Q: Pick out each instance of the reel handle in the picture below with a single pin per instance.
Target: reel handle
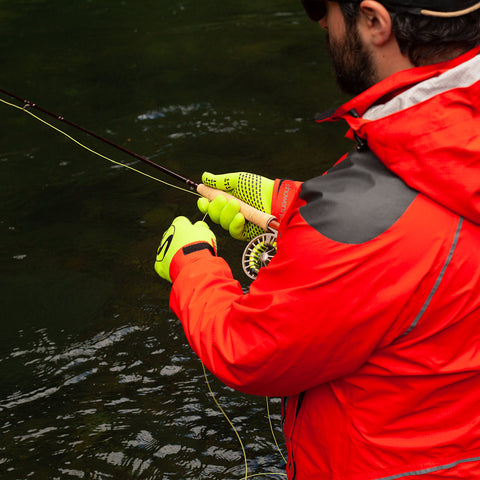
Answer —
(259, 218)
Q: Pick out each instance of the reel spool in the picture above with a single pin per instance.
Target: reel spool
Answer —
(258, 253)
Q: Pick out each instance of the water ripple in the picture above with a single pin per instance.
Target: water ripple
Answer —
(201, 118)
(130, 402)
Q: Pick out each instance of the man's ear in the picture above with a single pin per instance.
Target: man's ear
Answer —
(375, 22)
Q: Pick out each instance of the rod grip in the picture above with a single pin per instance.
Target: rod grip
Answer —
(259, 218)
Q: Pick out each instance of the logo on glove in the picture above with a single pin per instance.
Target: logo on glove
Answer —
(165, 245)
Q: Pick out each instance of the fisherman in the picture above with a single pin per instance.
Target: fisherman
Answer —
(367, 320)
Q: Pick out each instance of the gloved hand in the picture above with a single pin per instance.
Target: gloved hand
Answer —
(253, 189)
(182, 235)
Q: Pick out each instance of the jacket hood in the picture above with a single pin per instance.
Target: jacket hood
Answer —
(424, 125)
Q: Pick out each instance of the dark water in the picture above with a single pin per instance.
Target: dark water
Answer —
(96, 378)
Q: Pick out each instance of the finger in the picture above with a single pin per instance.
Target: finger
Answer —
(181, 221)
(225, 182)
(201, 224)
(208, 235)
(228, 212)
(237, 226)
(215, 208)
(202, 204)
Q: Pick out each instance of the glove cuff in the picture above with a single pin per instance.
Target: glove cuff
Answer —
(189, 254)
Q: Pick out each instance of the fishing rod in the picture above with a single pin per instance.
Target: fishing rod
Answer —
(257, 253)
(27, 103)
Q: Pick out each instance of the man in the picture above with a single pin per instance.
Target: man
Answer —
(367, 320)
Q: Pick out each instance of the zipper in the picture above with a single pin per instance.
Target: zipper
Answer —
(290, 460)
(284, 411)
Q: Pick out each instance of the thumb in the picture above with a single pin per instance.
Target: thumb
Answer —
(225, 182)
(181, 222)
(201, 225)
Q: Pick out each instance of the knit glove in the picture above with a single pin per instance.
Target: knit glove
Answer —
(183, 238)
(253, 189)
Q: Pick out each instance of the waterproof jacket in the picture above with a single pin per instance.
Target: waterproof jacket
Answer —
(367, 320)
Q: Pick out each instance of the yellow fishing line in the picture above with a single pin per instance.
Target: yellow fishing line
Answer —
(23, 109)
(228, 420)
(238, 435)
(267, 474)
(271, 429)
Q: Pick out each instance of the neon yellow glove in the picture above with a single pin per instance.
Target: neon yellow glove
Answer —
(253, 189)
(182, 235)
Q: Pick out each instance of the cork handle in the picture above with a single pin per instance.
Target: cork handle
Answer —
(263, 220)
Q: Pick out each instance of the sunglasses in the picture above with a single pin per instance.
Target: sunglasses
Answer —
(315, 9)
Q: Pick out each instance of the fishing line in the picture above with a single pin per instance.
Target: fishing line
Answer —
(267, 474)
(228, 420)
(91, 150)
(265, 221)
(238, 435)
(192, 186)
(258, 252)
(271, 429)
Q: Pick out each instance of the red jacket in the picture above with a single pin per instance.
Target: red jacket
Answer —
(367, 320)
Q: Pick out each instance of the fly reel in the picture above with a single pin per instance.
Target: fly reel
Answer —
(258, 253)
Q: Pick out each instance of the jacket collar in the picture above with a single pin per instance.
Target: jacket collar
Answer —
(390, 87)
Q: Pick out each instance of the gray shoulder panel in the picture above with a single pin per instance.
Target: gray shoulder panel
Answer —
(356, 200)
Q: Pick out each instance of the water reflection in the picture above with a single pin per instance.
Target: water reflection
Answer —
(205, 120)
(125, 403)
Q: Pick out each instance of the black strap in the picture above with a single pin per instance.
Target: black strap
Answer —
(196, 247)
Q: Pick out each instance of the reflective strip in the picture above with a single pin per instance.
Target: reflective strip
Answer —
(463, 75)
(430, 470)
(439, 279)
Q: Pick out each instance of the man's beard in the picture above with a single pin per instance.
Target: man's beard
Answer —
(352, 63)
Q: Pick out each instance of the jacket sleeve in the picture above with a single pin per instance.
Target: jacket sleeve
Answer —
(314, 314)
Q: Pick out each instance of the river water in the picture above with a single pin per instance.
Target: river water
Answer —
(97, 380)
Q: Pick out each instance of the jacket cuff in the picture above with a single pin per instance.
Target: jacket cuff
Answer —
(284, 193)
(188, 254)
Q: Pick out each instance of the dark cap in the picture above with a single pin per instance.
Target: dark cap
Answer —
(434, 8)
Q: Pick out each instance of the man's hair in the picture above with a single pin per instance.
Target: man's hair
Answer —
(425, 39)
